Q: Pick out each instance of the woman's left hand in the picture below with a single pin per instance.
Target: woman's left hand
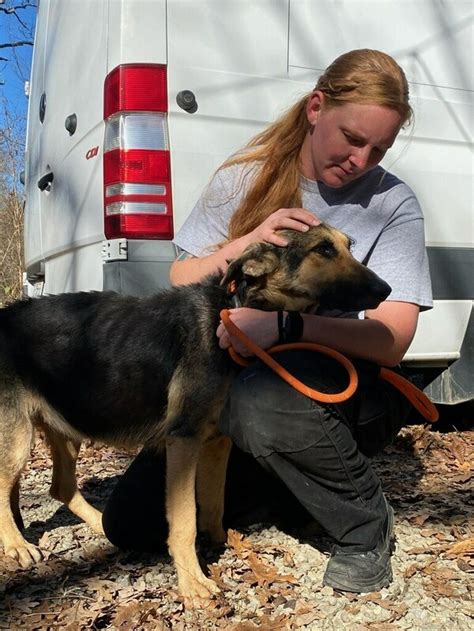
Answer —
(259, 326)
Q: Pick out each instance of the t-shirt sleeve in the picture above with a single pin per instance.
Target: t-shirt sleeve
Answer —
(399, 255)
(208, 222)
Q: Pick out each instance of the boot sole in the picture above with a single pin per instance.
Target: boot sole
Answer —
(375, 583)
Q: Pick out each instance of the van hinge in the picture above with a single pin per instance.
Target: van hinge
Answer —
(114, 250)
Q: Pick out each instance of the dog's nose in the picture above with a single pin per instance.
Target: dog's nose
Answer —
(381, 289)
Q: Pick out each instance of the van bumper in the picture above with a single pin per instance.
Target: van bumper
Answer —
(144, 271)
(451, 381)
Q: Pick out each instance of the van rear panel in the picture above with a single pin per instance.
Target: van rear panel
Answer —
(136, 32)
(244, 63)
(33, 248)
(67, 215)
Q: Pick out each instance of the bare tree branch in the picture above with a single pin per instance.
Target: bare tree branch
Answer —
(14, 8)
(12, 138)
(16, 34)
(15, 44)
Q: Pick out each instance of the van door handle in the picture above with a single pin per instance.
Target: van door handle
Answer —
(45, 181)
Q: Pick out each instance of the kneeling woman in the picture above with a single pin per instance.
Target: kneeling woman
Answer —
(292, 458)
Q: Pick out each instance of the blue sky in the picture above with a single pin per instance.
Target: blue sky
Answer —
(16, 70)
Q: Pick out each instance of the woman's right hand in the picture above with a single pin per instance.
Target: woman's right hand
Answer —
(292, 218)
(195, 269)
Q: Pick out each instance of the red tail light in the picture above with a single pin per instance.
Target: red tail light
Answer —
(136, 88)
(137, 174)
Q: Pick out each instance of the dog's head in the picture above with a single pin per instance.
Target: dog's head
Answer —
(315, 269)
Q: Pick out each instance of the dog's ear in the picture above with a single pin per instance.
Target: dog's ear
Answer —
(259, 259)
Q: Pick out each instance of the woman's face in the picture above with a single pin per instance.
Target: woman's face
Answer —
(346, 141)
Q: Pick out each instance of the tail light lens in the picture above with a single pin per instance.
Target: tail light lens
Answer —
(137, 174)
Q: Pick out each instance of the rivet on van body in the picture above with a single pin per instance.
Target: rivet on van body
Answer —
(71, 123)
(187, 101)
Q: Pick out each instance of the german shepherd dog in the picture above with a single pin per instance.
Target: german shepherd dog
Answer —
(149, 371)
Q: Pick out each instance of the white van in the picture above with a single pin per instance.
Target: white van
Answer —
(135, 103)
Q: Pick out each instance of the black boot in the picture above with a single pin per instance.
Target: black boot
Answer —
(364, 571)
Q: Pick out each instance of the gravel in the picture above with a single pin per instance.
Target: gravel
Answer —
(269, 579)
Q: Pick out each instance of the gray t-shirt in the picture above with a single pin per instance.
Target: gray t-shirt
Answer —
(378, 211)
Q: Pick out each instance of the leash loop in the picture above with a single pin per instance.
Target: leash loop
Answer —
(316, 395)
(417, 398)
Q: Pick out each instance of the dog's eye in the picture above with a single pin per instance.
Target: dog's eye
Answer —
(325, 249)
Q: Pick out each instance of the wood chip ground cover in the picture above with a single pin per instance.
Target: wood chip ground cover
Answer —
(269, 579)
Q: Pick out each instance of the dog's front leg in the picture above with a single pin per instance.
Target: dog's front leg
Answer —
(15, 443)
(182, 455)
(211, 486)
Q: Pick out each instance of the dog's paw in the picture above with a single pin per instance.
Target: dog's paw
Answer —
(197, 594)
(25, 554)
(96, 524)
(87, 513)
(99, 529)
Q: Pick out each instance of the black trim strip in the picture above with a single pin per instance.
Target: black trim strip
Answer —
(452, 273)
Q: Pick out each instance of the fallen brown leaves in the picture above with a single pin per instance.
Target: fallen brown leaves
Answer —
(453, 453)
(264, 573)
(268, 580)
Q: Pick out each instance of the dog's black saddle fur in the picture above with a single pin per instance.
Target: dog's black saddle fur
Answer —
(104, 361)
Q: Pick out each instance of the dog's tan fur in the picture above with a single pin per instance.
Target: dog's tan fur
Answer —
(294, 278)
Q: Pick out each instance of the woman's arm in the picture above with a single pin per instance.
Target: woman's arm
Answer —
(383, 337)
(194, 269)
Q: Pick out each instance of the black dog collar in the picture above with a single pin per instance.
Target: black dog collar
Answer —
(290, 329)
(237, 292)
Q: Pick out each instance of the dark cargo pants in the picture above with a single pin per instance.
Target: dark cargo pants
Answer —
(293, 459)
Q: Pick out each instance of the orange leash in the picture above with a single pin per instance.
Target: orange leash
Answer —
(283, 373)
(417, 398)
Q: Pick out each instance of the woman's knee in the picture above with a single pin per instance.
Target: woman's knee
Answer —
(263, 414)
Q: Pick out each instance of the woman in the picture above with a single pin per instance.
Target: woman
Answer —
(318, 162)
